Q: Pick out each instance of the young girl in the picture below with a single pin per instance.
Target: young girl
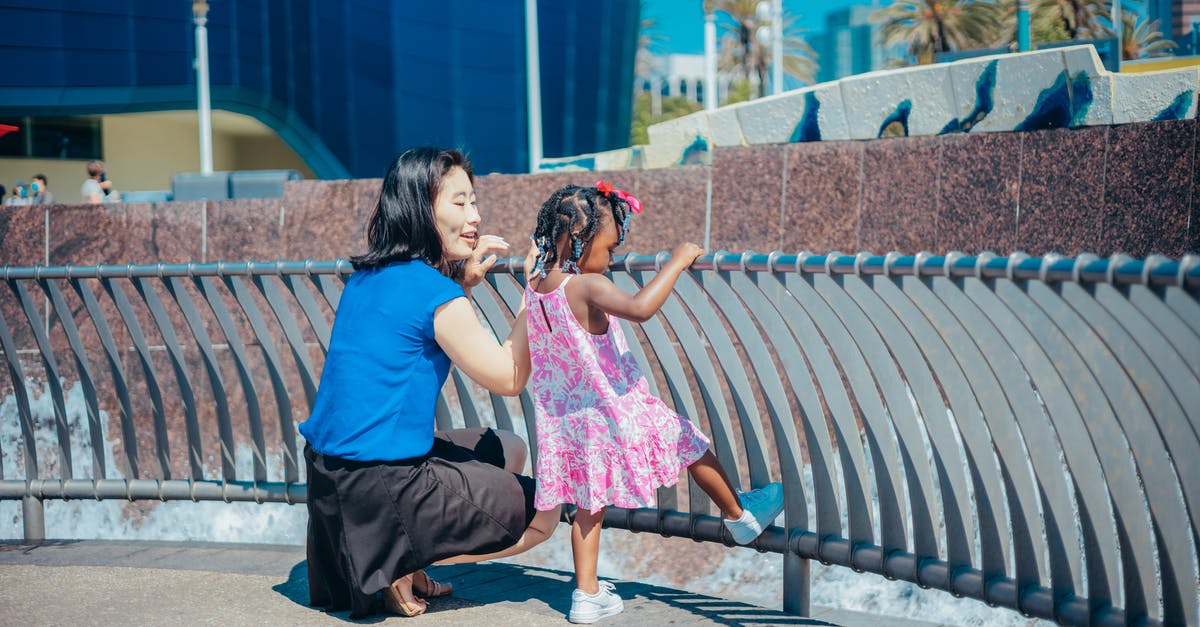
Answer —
(603, 439)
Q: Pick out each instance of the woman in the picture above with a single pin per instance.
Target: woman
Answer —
(387, 495)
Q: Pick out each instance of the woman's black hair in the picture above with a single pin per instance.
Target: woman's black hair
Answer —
(403, 227)
(566, 209)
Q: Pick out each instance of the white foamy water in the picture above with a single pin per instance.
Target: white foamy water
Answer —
(737, 574)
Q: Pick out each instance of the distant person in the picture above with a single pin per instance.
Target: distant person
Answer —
(97, 188)
(602, 438)
(20, 195)
(39, 190)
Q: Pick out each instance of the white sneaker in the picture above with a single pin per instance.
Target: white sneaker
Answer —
(760, 508)
(589, 608)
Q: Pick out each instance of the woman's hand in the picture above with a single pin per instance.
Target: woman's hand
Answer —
(482, 259)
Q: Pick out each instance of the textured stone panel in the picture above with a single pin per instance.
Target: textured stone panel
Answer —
(725, 127)
(682, 141)
(1091, 87)
(1149, 172)
(170, 232)
(323, 220)
(89, 234)
(674, 202)
(249, 228)
(979, 184)
(1011, 92)
(911, 101)
(746, 198)
(1062, 191)
(809, 114)
(1155, 96)
(22, 236)
(899, 198)
(821, 203)
(1193, 244)
(619, 159)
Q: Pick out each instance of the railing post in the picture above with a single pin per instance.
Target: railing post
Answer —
(33, 517)
(795, 584)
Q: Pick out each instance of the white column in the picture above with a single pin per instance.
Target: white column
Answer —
(777, 47)
(203, 104)
(1119, 29)
(710, 63)
(533, 85)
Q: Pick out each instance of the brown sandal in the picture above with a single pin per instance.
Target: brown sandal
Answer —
(428, 588)
(394, 601)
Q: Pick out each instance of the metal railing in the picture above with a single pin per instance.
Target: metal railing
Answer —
(1022, 431)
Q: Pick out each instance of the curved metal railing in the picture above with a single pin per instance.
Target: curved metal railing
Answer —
(1022, 431)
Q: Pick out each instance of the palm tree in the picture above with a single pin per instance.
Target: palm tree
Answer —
(742, 52)
(1045, 25)
(1079, 18)
(1141, 38)
(933, 26)
(649, 43)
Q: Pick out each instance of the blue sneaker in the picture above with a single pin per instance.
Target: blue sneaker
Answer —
(589, 608)
(760, 508)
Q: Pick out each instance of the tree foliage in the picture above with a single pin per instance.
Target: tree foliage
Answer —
(932, 26)
(743, 53)
(643, 115)
(1141, 38)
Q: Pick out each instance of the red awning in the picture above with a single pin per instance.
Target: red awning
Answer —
(5, 129)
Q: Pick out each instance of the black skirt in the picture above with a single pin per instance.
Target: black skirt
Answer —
(370, 523)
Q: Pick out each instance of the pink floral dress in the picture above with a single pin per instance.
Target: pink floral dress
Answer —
(602, 438)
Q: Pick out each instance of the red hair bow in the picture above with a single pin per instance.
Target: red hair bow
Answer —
(604, 187)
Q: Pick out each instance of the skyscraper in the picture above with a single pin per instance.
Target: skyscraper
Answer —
(849, 44)
(1175, 17)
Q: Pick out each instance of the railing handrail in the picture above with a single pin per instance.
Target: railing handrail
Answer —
(1119, 269)
(1070, 387)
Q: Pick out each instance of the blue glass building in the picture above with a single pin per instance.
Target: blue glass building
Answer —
(345, 83)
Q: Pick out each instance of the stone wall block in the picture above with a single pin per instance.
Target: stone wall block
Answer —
(899, 103)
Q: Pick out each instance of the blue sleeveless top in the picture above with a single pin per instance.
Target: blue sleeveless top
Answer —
(384, 369)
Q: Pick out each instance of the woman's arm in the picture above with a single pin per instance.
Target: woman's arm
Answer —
(603, 294)
(500, 368)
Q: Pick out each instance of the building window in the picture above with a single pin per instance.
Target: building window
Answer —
(52, 138)
(683, 90)
(700, 92)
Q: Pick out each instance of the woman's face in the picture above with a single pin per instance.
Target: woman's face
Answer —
(456, 216)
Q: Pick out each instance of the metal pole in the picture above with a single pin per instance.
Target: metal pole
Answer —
(203, 105)
(1119, 31)
(1023, 43)
(796, 593)
(777, 47)
(33, 518)
(710, 63)
(533, 85)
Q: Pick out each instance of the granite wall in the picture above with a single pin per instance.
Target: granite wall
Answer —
(1131, 188)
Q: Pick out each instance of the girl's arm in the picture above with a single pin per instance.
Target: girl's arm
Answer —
(500, 368)
(603, 294)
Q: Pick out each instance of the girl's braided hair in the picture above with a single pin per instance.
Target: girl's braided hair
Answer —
(566, 209)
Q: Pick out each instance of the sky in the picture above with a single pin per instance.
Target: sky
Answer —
(681, 22)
